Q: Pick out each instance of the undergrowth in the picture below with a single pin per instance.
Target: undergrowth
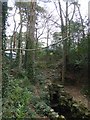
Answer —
(20, 99)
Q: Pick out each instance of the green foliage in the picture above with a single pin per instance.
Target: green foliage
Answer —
(57, 49)
(35, 99)
(21, 99)
(75, 27)
(86, 91)
(5, 75)
(73, 110)
(40, 65)
(40, 9)
(44, 110)
(41, 54)
(17, 100)
(77, 50)
(45, 97)
(25, 7)
(65, 104)
(5, 79)
(56, 36)
(31, 113)
(78, 59)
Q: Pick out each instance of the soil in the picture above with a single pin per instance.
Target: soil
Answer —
(74, 91)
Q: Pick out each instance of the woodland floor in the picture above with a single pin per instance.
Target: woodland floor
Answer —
(74, 91)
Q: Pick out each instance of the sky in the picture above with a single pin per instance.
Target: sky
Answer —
(50, 7)
(83, 6)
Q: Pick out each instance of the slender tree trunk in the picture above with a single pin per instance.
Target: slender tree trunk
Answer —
(81, 21)
(78, 43)
(0, 60)
(69, 39)
(4, 19)
(47, 52)
(88, 51)
(25, 60)
(36, 47)
(69, 32)
(64, 34)
(19, 52)
(89, 63)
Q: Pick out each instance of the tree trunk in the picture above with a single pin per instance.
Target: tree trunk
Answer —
(0, 60)
(19, 52)
(89, 65)
(88, 51)
(64, 34)
(30, 41)
(4, 19)
(62, 31)
(81, 21)
(36, 47)
(47, 49)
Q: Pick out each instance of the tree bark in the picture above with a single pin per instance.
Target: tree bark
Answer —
(81, 21)
(64, 34)
(19, 52)
(0, 60)
(31, 40)
(62, 31)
